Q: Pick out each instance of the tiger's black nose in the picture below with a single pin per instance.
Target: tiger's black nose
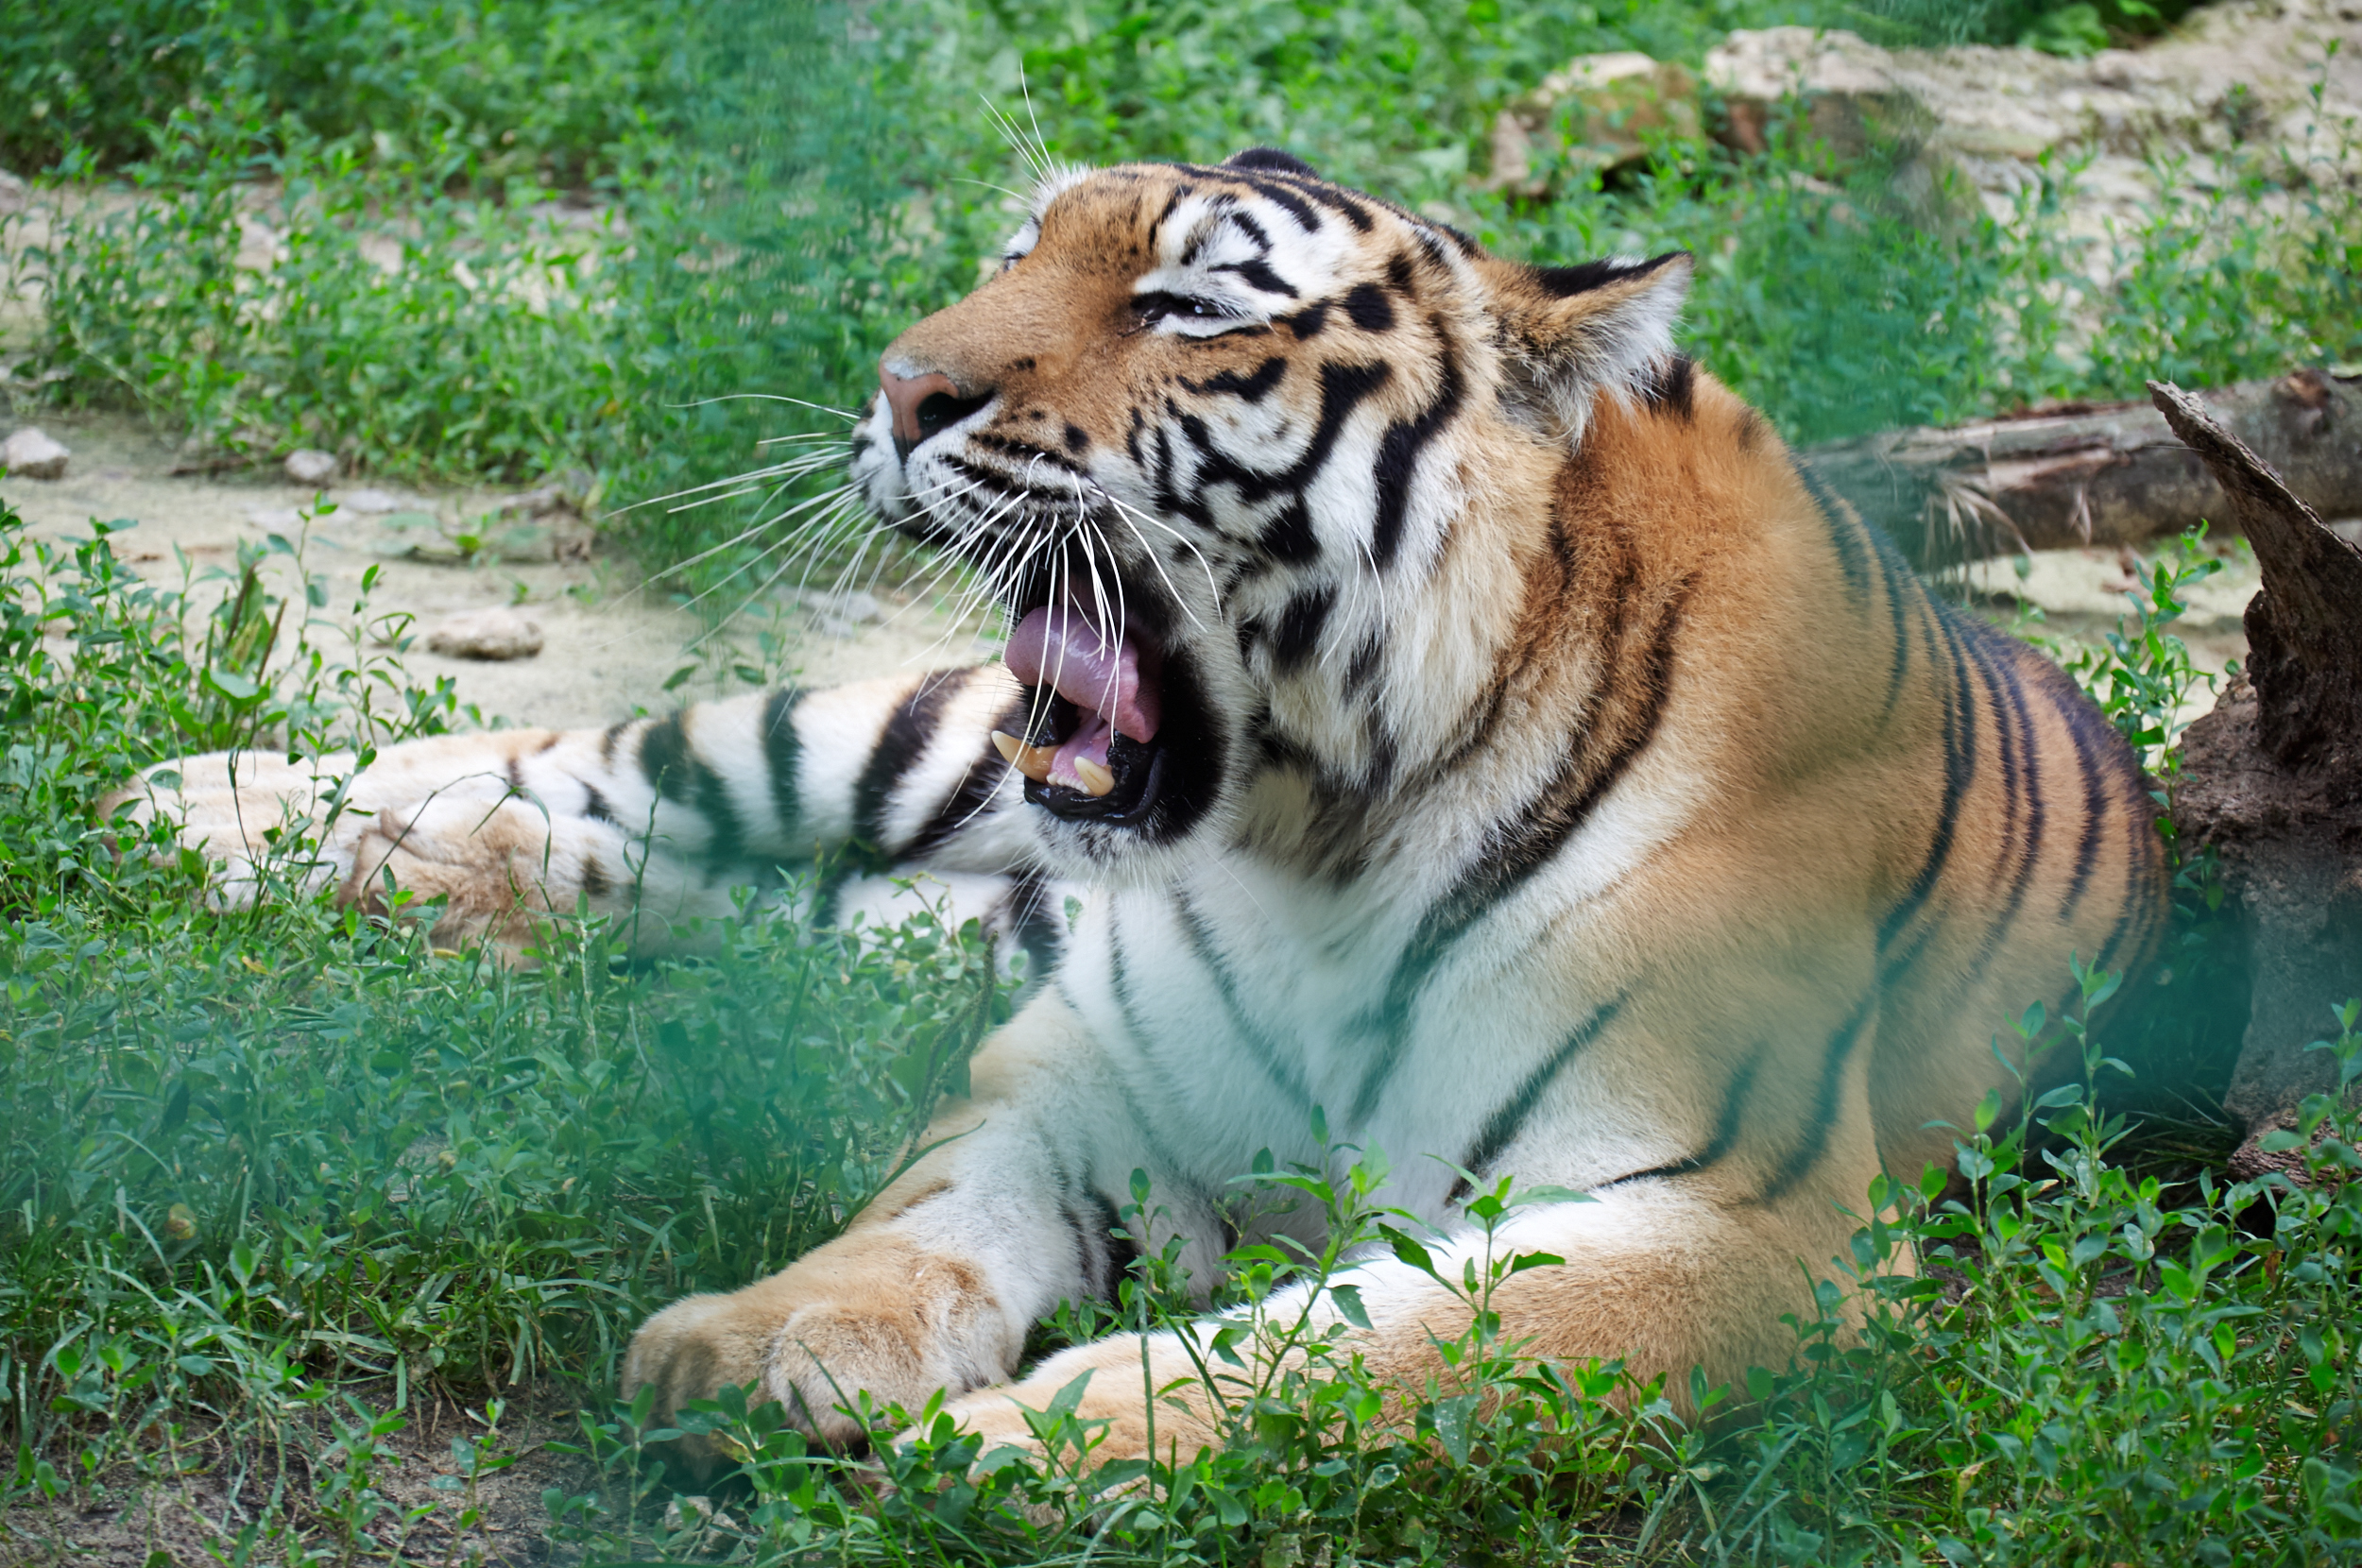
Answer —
(924, 405)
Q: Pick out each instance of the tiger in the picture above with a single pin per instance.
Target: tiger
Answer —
(1433, 708)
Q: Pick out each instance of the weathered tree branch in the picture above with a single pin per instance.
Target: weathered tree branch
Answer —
(2100, 475)
(2272, 782)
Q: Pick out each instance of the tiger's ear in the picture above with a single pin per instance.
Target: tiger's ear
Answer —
(1573, 333)
(1273, 159)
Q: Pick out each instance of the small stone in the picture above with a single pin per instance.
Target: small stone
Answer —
(14, 196)
(311, 466)
(498, 633)
(372, 503)
(850, 608)
(532, 503)
(31, 454)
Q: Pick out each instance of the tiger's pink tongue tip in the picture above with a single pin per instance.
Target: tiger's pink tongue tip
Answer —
(1060, 645)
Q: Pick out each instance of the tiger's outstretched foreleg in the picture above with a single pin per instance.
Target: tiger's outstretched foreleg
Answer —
(936, 1282)
(654, 821)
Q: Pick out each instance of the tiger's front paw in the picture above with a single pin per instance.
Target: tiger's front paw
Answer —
(1115, 1405)
(821, 1335)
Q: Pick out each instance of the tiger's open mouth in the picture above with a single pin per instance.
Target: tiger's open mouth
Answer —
(1098, 740)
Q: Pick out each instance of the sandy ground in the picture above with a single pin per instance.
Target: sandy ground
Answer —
(610, 640)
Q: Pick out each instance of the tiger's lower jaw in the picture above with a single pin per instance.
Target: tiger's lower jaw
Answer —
(1121, 786)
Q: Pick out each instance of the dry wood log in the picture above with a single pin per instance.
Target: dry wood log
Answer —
(2272, 782)
(2087, 474)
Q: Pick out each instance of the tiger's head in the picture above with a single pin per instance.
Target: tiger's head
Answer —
(1257, 465)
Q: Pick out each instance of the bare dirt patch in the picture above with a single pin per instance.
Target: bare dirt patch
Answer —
(611, 640)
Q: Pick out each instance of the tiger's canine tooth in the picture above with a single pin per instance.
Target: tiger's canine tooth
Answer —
(1033, 761)
(1095, 778)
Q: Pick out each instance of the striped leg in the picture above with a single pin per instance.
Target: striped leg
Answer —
(662, 818)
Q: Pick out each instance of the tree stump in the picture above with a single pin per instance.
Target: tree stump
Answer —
(2272, 782)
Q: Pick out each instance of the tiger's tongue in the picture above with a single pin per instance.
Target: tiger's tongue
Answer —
(1059, 643)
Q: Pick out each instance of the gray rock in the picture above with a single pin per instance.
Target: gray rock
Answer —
(371, 502)
(14, 196)
(497, 633)
(31, 454)
(2238, 74)
(311, 466)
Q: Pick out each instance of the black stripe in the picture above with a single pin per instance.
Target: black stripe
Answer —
(1368, 308)
(1815, 1142)
(782, 753)
(678, 773)
(1279, 196)
(1253, 388)
(1502, 1127)
(1267, 1055)
(1670, 390)
(663, 753)
(1288, 534)
(1039, 932)
(1093, 1221)
(899, 749)
(1398, 454)
(1300, 624)
(1520, 849)
(1974, 649)
(2002, 677)
(1565, 282)
(2091, 736)
(1851, 560)
(1894, 574)
(1725, 1132)
(1342, 388)
(972, 794)
(1312, 187)
(1960, 767)
(1180, 194)
(594, 882)
(1260, 276)
(595, 807)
